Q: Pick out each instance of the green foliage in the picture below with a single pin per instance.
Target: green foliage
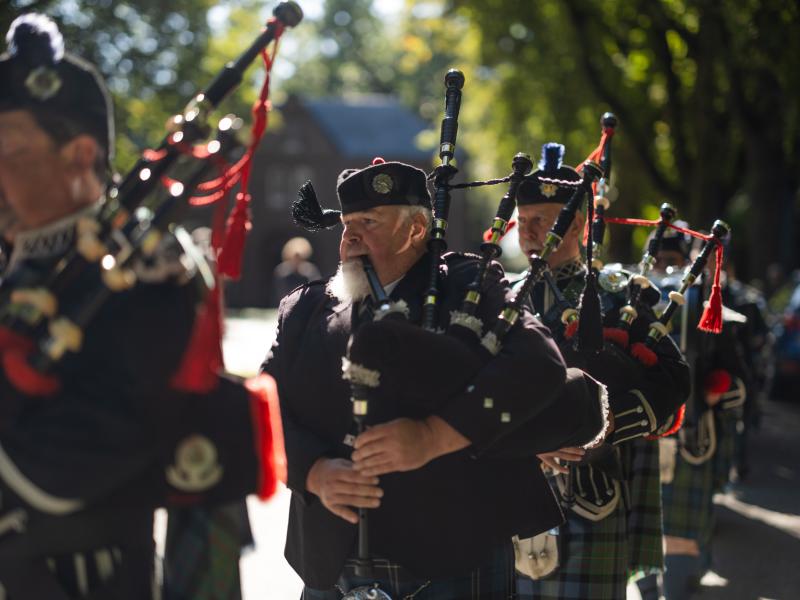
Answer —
(705, 91)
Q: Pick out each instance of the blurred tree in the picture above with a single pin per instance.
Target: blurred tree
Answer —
(345, 51)
(706, 93)
(154, 55)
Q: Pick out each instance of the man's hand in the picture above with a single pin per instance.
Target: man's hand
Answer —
(404, 445)
(340, 487)
(568, 454)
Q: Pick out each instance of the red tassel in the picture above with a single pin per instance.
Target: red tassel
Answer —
(619, 336)
(202, 360)
(229, 261)
(25, 378)
(571, 329)
(643, 354)
(676, 425)
(711, 321)
(12, 339)
(717, 381)
(268, 433)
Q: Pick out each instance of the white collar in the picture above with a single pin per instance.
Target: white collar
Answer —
(48, 241)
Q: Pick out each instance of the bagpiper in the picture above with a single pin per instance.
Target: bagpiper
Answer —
(604, 539)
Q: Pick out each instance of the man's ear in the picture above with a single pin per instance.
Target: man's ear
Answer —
(419, 227)
(80, 153)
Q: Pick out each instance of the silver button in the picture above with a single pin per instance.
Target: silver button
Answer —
(505, 417)
(488, 403)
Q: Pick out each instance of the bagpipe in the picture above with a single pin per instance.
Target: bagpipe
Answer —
(45, 314)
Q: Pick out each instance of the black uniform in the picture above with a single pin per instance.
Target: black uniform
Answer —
(82, 471)
(446, 517)
(82, 468)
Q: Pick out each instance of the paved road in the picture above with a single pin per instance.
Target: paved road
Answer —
(757, 539)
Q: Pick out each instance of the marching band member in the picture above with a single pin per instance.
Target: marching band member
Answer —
(443, 507)
(697, 459)
(596, 489)
(84, 463)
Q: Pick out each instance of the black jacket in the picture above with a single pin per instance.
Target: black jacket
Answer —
(84, 469)
(448, 516)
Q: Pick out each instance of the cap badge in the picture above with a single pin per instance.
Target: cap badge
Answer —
(382, 183)
(548, 189)
(196, 467)
(43, 83)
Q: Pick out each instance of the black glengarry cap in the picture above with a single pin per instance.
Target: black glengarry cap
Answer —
(539, 188)
(38, 75)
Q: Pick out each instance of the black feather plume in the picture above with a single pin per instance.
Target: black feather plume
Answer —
(308, 214)
(35, 40)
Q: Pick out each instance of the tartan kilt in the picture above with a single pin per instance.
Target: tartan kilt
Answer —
(593, 562)
(203, 548)
(687, 501)
(494, 581)
(645, 530)
(726, 447)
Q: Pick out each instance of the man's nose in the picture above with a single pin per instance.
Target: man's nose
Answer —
(530, 231)
(350, 234)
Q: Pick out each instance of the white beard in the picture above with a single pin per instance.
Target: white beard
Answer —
(350, 282)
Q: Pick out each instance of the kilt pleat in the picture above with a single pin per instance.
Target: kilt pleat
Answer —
(645, 528)
(687, 500)
(593, 562)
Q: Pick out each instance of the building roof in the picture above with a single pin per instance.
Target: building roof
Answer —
(370, 126)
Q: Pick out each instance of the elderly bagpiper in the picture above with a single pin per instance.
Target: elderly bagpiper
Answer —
(96, 425)
(596, 487)
(445, 496)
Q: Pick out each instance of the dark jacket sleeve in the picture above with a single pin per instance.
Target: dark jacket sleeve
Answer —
(495, 403)
(643, 399)
(303, 447)
(578, 417)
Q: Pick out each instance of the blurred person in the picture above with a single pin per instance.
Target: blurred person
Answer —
(696, 460)
(295, 270)
(88, 451)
